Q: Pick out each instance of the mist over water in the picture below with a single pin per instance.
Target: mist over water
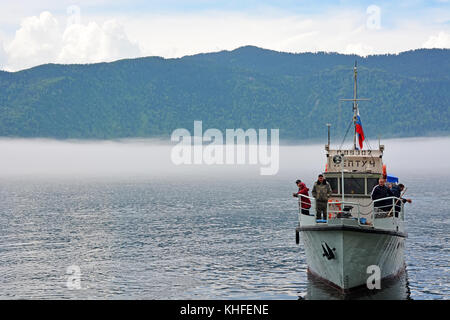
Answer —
(152, 158)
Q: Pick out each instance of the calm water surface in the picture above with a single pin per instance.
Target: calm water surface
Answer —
(189, 238)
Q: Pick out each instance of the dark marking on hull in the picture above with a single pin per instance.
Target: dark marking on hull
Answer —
(327, 251)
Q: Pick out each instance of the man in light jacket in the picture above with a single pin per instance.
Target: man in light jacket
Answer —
(321, 192)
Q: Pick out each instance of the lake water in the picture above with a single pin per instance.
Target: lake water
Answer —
(141, 229)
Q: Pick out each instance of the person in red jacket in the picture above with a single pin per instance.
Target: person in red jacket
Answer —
(305, 203)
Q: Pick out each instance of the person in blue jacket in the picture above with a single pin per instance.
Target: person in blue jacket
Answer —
(397, 191)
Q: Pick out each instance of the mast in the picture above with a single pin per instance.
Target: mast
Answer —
(355, 103)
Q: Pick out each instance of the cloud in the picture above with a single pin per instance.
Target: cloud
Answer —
(359, 49)
(41, 39)
(344, 31)
(44, 38)
(94, 43)
(442, 40)
(36, 42)
(3, 56)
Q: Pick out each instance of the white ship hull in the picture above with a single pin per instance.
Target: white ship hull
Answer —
(396, 289)
(354, 249)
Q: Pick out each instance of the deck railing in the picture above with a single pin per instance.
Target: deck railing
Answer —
(388, 207)
(302, 200)
(343, 209)
(335, 209)
(381, 208)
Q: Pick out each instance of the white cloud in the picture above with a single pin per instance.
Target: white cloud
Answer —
(42, 40)
(48, 38)
(359, 49)
(3, 56)
(94, 43)
(442, 40)
(36, 42)
(345, 31)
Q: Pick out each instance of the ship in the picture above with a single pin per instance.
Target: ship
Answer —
(361, 243)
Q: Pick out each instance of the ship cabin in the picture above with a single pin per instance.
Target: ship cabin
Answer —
(352, 175)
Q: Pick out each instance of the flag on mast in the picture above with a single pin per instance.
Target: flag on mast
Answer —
(359, 130)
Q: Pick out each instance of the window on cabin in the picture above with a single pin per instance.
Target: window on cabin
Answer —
(354, 186)
(334, 184)
(371, 183)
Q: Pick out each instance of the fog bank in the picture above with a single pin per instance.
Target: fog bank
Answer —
(149, 157)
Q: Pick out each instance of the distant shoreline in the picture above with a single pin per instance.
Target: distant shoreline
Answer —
(164, 141)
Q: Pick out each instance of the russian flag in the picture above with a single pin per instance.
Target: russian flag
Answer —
(359, 130)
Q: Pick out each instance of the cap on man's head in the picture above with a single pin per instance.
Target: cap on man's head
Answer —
(320, 175)
(298, 181)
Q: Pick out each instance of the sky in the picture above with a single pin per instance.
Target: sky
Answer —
(90, 31)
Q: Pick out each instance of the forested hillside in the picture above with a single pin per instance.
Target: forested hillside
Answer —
(245, 88)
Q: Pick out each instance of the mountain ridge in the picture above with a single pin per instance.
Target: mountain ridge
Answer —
(248, 87)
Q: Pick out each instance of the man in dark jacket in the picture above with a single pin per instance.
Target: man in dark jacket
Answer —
(380, 191)
(397, 192)
(321, 192)
(304, 203)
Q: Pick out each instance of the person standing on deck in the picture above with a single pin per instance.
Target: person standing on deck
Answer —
(381, 191)
(321, 192)
(397, 191)
(305, 203)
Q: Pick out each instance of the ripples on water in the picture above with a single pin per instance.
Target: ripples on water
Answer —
(187, 239)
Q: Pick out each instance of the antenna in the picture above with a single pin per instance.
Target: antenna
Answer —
(328, 125)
